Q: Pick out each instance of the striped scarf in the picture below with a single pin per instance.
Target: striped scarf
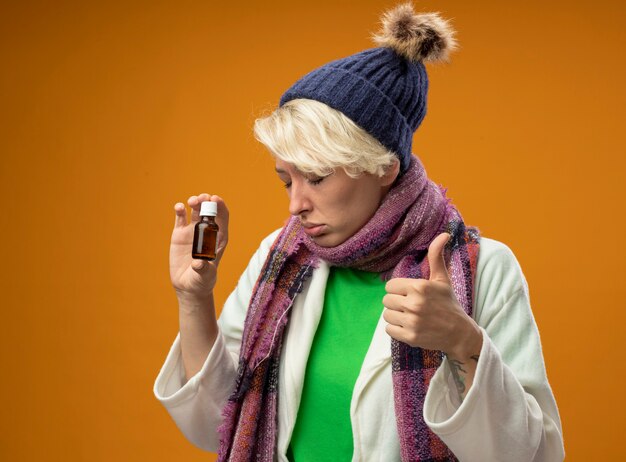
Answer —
(394, 242)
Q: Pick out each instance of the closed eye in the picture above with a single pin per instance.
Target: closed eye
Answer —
(311, 180)
(316, 180)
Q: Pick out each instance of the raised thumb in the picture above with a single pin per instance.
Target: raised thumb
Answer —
(437, 263)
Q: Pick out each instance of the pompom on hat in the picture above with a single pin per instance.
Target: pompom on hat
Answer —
(384, 89)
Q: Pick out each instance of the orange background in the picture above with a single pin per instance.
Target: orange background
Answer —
(113, 112)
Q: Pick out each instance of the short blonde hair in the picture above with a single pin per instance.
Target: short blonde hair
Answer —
(317, 139)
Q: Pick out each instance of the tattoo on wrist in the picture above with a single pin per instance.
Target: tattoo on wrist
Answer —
(455, 367)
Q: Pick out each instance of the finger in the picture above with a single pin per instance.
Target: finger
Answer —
(221, 219)
(393, 317)
(398, 286)
(181, 215)
(394, 302)
(200, 266)
(194, 203)
(223, 215)
(396, 332)
(436, 261)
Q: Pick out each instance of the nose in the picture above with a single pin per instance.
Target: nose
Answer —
(299, 203)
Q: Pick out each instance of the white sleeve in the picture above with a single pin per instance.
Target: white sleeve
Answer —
(196, 406)
(509, 413)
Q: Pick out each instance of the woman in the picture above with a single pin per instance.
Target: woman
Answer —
(375, 325)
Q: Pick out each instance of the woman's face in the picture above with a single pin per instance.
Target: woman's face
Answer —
(334, 207)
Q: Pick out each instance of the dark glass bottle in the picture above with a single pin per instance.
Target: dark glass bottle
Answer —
(205, 233)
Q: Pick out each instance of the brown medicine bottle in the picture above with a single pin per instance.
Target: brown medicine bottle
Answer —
(205, 233)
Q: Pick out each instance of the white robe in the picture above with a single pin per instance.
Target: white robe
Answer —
(508, 415)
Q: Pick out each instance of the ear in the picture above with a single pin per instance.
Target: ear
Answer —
(391, 174)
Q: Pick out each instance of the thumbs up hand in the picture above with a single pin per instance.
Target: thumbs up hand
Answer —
(426, 313)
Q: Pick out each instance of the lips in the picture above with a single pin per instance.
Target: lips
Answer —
(313, 229)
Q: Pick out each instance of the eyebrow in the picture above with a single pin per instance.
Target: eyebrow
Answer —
(278, 170)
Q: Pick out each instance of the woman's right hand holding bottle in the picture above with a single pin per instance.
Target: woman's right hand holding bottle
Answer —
(194, 279)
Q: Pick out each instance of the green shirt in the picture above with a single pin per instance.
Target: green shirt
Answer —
(352, 307)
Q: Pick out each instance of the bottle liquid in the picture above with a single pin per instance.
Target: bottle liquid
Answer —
(205, 233)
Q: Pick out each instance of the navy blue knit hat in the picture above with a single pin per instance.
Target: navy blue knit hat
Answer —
(383, 90)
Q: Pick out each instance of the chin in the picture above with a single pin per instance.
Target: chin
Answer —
(328, 240)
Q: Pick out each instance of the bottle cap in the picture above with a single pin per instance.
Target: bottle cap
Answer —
(208, 209)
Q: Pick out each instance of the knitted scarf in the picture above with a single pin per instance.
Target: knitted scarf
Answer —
(394, 242)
